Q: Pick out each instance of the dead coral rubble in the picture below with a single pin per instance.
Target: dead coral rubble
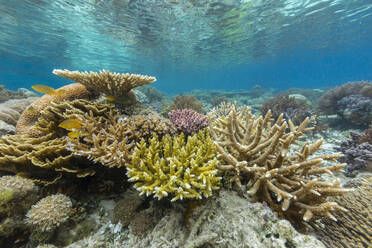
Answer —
(260, 150)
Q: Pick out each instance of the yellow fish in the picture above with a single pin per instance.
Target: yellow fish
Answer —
(73, 134)
(58, 92)
(70, 124)
(110, 98)
(43, 89)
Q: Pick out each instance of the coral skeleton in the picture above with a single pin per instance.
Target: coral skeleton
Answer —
(258, 150)
(173, 166)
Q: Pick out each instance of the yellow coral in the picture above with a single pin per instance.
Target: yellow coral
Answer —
(175, 167)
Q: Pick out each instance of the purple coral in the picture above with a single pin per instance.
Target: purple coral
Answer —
(358, 156)
(187, 120)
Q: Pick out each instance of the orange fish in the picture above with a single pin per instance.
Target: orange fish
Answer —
(70, 124)
(58, 92)
(43, 89)
(73, 134)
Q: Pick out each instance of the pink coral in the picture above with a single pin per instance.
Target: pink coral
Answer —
(187, 120)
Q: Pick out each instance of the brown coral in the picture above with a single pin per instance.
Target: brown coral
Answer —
(110, 83)
(353, 228)
(258, 150)
(103, 140)
(25, 124)
(187, 102)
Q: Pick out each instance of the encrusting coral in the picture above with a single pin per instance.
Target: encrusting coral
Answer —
(110, 83)
(173, 166)
(25, 124)
(49, 212)
(353, 228)
(258, 150)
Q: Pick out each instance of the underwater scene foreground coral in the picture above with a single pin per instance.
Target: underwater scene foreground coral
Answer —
(109, 161)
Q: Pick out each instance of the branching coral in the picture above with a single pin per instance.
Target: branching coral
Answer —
(49, 212)
(351, 101)
(187, 102)
(110, 83)
(188, 120)
(25, 124)
(103, 140)
(292, 108)
(175, 167)
(353, 228)
(258, 150)
(357, 152)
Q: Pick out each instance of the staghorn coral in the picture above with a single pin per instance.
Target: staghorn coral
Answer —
(258, 150)
(110, 83)
(173, 166)
(50, 212)
(292, 108)
(187, 102)
(187, 120)
(102, 140)
(25, 124)
(353, 228)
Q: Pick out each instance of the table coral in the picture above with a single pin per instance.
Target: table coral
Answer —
(353, 228)
(173, 166)
(25, 124)
(258, 150)
(110, 83)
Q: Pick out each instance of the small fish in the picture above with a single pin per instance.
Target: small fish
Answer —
(174, 2)
(43, 89)
(70, 124)
(73, 134)
(110, 98)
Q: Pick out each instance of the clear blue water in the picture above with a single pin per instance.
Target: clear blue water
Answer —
(189, 44)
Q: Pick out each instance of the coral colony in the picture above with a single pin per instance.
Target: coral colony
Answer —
(88, 137)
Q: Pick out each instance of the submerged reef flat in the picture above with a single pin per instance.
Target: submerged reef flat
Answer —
(108, 161)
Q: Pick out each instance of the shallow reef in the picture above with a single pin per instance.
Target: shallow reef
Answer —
(112, 162)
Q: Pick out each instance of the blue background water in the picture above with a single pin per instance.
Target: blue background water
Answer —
(189, 44)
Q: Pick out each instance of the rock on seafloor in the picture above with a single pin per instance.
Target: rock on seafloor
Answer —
(227, 220)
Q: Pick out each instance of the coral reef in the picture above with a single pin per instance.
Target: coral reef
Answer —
(10, 111)
(357, 152)
(292, 108)
(48, 155)
(146, 126)
(49, 213)
(102, 140)
(110, 83)
(25, 124)
(260, 151)
(187, 102)
(175, 167)
(21, 93)
(353, 228)
(125, 209)
(187, 120)
(351, 101)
